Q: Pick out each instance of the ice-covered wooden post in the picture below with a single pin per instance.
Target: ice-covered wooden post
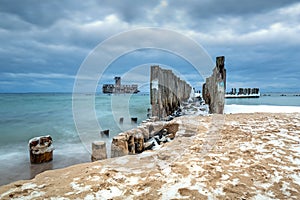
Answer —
(214, 88)
(98, 150)
(119, 145)
(40, 149)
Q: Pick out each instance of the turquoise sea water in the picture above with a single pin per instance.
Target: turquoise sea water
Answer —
(24, 116)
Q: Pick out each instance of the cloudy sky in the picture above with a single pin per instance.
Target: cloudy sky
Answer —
(44, 43)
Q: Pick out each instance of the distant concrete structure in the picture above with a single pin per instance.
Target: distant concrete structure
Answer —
(118, 82)
(214, 88)
(243, 93)
(167, 92)
(118, 88)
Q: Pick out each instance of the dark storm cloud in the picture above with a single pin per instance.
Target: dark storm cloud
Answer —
(33, 11)
(132, 11)
(47, 13)
(217, 8)
(53, 37)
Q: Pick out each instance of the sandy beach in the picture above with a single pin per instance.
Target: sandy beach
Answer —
(232, 156)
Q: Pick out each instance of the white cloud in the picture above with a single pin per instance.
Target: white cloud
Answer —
(292, 11)
(273, 34)
(37, 75)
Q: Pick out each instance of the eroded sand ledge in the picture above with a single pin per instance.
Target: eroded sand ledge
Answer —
(244, 156)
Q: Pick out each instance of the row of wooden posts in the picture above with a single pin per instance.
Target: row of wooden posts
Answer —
(41, 150)
(99, 147)
(133, 120)
(167, 94)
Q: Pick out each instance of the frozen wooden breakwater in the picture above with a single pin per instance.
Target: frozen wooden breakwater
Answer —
(143, 137)
(167, 92)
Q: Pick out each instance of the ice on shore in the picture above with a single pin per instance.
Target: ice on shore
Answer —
(260, 108)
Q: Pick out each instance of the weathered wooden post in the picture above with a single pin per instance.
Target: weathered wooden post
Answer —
(131, 145)
(148, 112)
(139, 142)
(98, 150)
(154, 99)
(213, 91)
(134, 120)
(119, 146)
(40, 149)
(104, 133)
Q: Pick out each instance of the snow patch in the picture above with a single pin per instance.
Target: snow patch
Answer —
(89, 197)
(79, 187)
(109, 194)
(276, 177)
(28, 186)
(296, 178)
(58, 198)
(171, 191)
(133, 180)
(263, 185)
(284, 188)
(218, 191)
(261, 197)
(8, 192)
(277, 143)
(145, 190)
(69, 193)
(121, 161)
(94, 178)
(260, 108)
(225, 177)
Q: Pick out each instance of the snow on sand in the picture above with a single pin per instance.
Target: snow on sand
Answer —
(234, 156)
(260, 108)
